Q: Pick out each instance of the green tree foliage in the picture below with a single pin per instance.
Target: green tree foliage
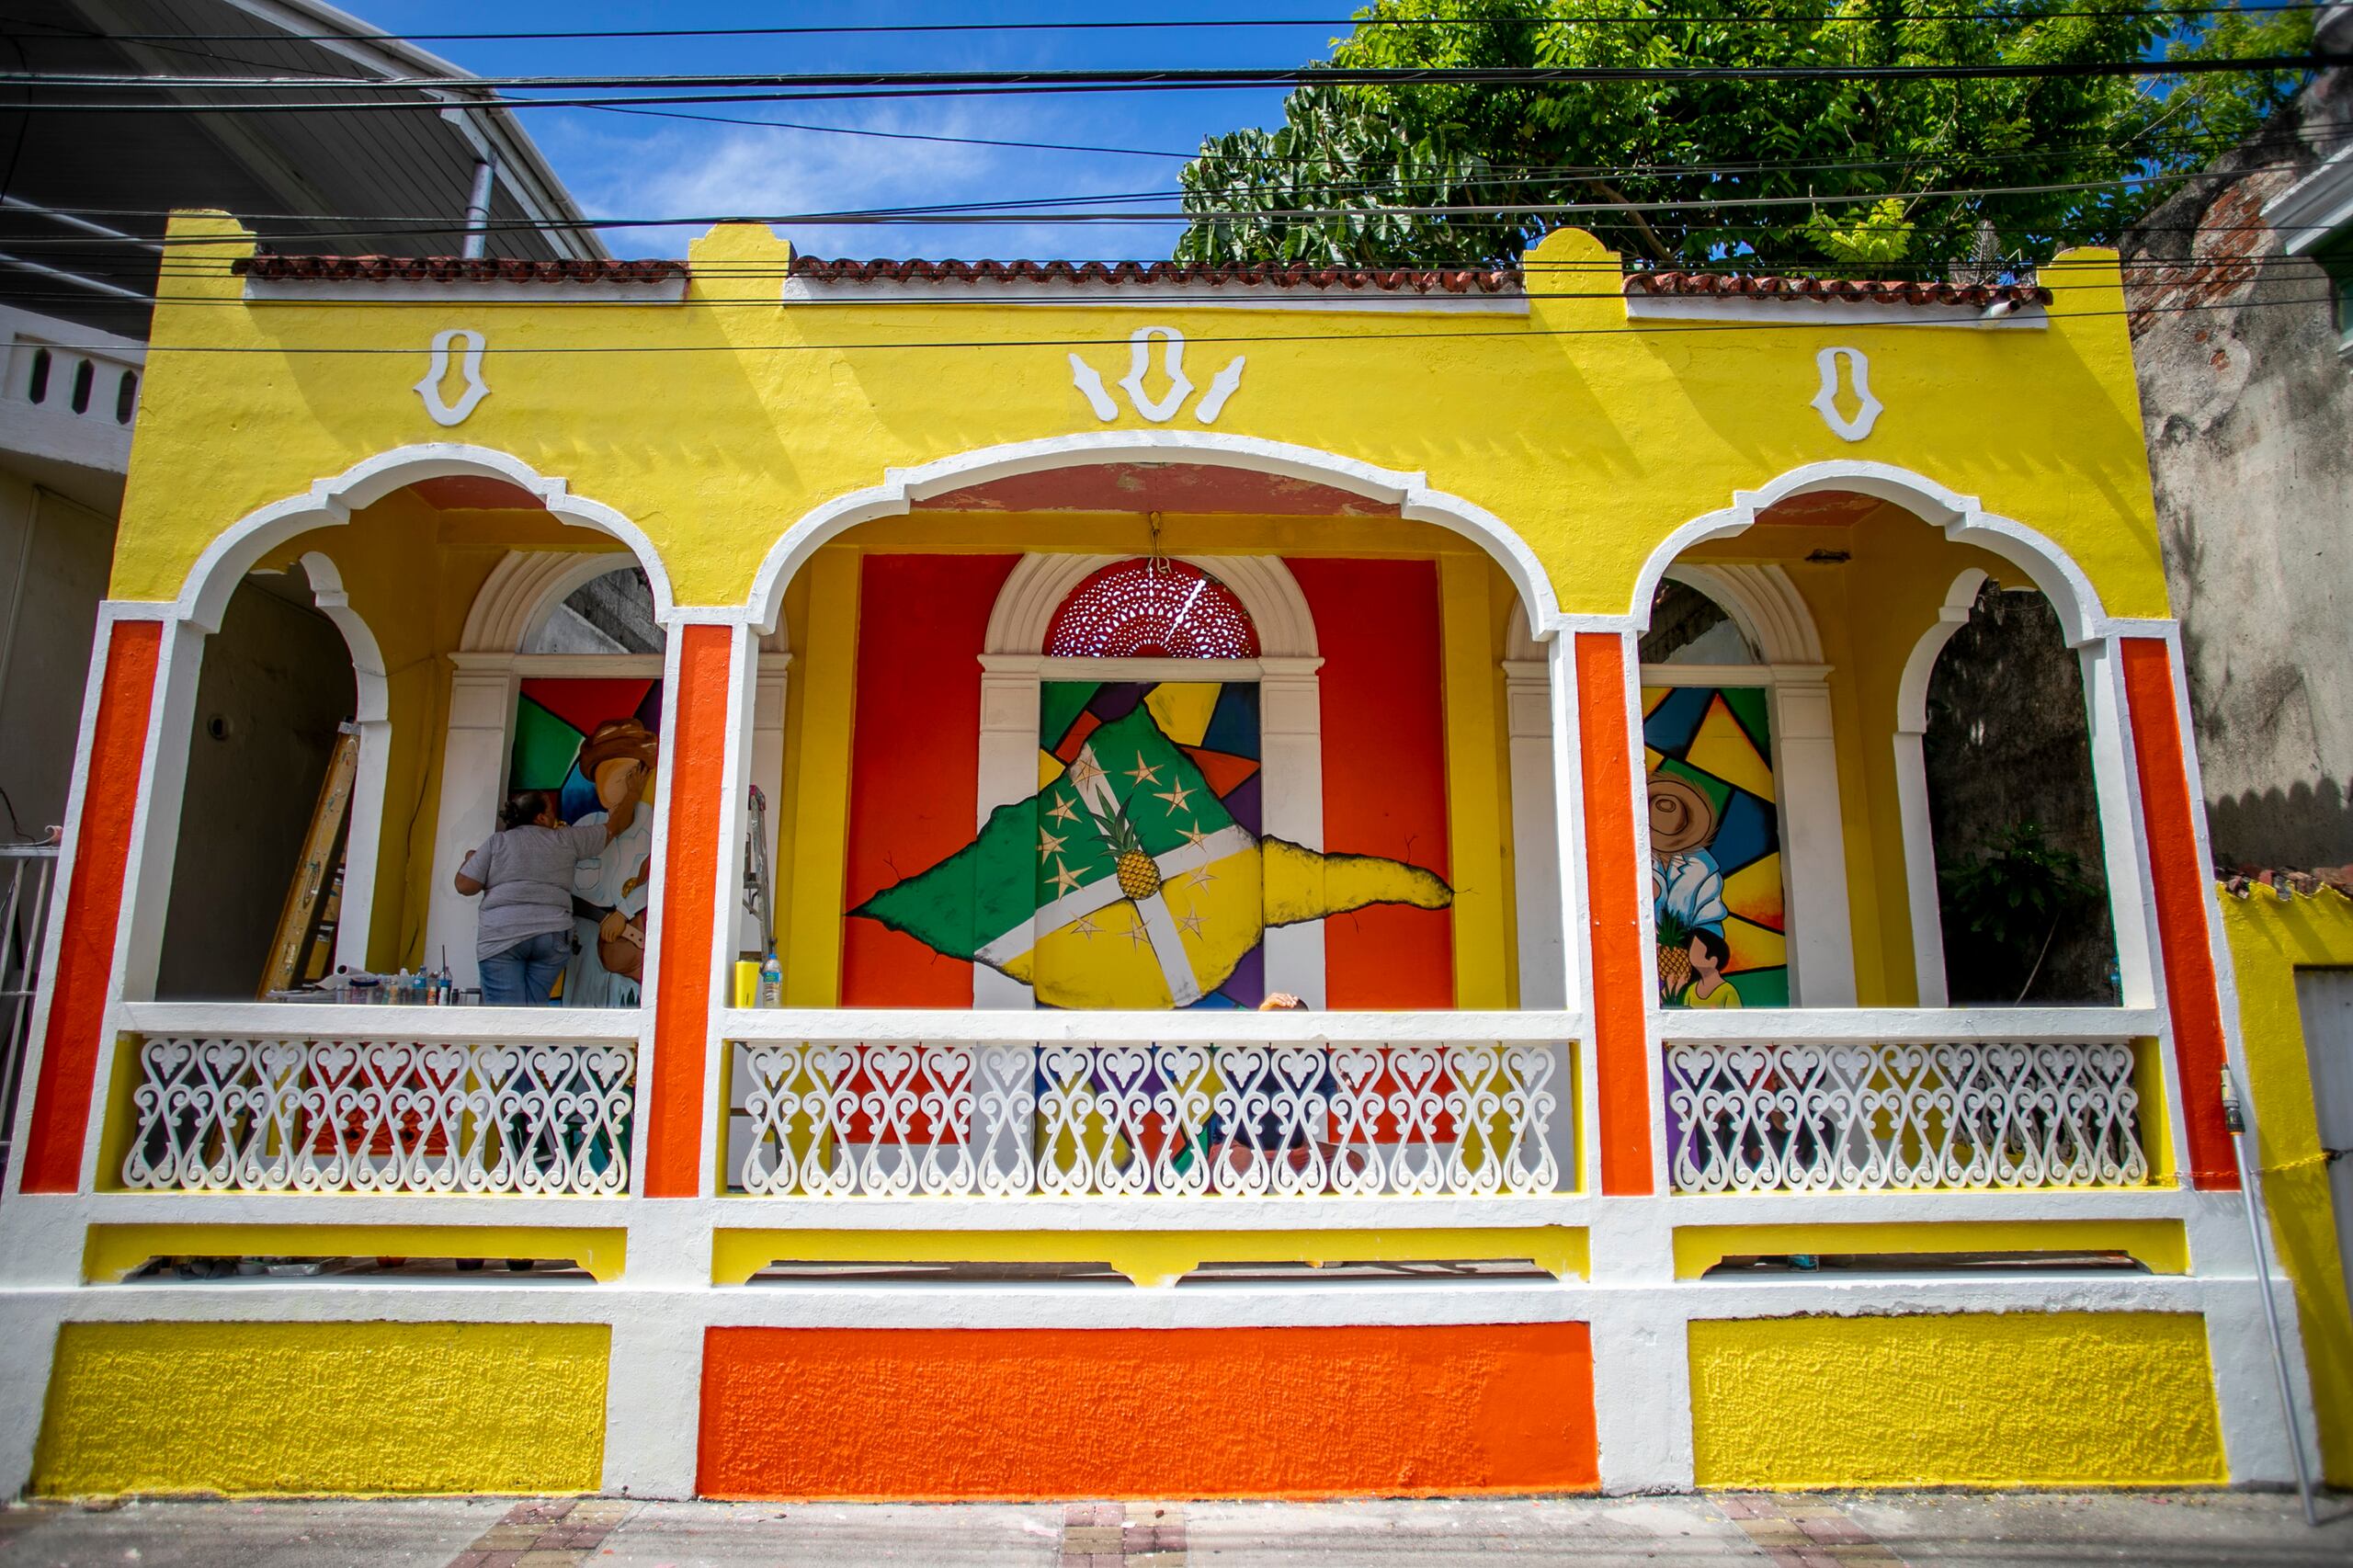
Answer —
(1337, 183)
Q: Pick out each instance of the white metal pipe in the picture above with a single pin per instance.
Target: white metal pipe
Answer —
(2236, 1120)
(478, 204)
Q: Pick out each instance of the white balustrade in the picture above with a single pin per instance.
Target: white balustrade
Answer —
(1748, 1116)
(1137, 1118)
(252, 1113)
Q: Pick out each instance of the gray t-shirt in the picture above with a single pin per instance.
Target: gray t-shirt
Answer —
(526, 873)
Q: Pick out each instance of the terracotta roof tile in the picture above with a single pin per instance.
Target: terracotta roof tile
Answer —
(1388, 280)
(274, 268)
(1880, 291)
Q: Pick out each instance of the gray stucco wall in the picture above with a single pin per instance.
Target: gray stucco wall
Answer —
(2250, 416)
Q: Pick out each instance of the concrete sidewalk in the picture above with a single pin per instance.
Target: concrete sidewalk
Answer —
(1808, 1531)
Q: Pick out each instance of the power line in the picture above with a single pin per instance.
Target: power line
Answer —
(1654, 327)
(835, 86)
(1173, 24)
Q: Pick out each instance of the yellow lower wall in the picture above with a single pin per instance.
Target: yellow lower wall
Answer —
(364, 1408)
(2078, 1399)
(2270, 938)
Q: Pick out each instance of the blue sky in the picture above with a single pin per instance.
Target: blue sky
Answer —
(627, 165)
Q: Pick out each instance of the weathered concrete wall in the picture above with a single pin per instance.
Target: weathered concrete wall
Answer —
(2250, 417)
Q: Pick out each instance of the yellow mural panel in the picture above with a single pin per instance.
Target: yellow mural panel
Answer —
(1979, 1399)
(1183, 709)
(282, 1409)
(1722, 749)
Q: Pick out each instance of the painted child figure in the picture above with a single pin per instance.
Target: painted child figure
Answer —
(1710, 987)
(1686, 887)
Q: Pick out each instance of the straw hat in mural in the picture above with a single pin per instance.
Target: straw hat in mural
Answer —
(616, 739)
(1681, 817)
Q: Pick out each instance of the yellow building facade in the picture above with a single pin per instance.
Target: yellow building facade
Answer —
(1051, 666)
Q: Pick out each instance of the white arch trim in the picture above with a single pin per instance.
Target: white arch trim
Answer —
(1911, 789)
(901, 488)
(1036, 588)
(1764, 604)
(372, 714)
(329, 503)
(1962, 517)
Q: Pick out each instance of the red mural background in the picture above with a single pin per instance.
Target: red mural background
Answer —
(915, 765)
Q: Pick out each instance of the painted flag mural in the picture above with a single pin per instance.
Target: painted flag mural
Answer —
(1715, 847)
(1137, 876)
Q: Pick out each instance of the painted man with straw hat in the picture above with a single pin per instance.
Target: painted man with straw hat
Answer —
(610, 893)
(1687, 888)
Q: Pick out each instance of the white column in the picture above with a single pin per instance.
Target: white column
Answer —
(1821, 943)
(768, 776)
(1290, 767)
(1009, 773)
(1535, 832)
(2116, 782)
(473, 779)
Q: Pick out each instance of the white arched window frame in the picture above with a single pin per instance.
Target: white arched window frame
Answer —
(1290, 720)
(1766, 607)
(371, 720)
(515, 604)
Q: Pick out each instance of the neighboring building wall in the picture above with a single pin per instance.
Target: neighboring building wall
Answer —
(278, 679)
(55, 554)
(2247, 406)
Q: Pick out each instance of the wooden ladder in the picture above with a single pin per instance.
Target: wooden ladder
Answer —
(315, 898)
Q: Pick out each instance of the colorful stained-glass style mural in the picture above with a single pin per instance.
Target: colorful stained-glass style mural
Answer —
(1715, 847)
(1138, 875)
(577, 738)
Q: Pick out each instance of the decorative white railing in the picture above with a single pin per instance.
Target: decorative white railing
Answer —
(361, 1111)
(1781, 1115)
(958, 1113)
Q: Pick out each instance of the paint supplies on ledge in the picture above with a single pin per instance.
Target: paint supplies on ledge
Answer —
(360, 988)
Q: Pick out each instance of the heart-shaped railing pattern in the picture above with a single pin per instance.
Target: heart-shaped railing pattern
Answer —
(380, 1116)
(1883, 1117)
(1124, 1120)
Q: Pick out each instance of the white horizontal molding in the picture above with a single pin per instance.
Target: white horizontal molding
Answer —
(299, 1020)
(1805, 1026)
(941, 1025)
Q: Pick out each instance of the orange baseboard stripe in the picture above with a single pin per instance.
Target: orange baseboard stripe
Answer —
(1005, 1413)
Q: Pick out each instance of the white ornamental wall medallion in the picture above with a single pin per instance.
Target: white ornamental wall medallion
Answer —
(1826, 397)
(438, 372)
(1162, 409)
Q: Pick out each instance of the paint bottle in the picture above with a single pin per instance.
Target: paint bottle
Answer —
(771, 980)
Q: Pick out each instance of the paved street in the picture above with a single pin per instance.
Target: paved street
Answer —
(1816, 1531)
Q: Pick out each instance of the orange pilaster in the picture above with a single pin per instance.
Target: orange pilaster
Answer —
(690, 877)
(77, 1007)
(1615, 886)
(917, 1413)
(2183, 884)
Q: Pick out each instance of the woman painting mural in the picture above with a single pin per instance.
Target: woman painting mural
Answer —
(1687, 888)
(609, 892)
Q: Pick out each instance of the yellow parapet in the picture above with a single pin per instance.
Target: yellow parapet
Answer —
(1979, 1399)
(289, 1409)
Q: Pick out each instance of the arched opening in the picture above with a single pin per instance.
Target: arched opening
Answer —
(1790, 674)
(2014, 811)
(360, 585)
(255, 866)
(1307, 637)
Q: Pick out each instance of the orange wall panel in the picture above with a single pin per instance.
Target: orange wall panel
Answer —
(1384, 771)
(691, 870)
(1615, 887)
(915, 759)
(69, 1054)
(2183, 886)
(1147, 1413)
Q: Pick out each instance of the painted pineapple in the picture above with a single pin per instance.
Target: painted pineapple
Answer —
(1138, 877)
(1674, 957)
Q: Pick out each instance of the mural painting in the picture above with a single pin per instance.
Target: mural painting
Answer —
(1715, 847)
(1137, 876)
(576, 737)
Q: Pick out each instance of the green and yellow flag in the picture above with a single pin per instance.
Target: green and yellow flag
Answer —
(1126, 883)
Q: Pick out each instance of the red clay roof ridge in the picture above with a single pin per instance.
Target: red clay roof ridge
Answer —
(1387, 279)
(273, 267)
(1873, 290)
